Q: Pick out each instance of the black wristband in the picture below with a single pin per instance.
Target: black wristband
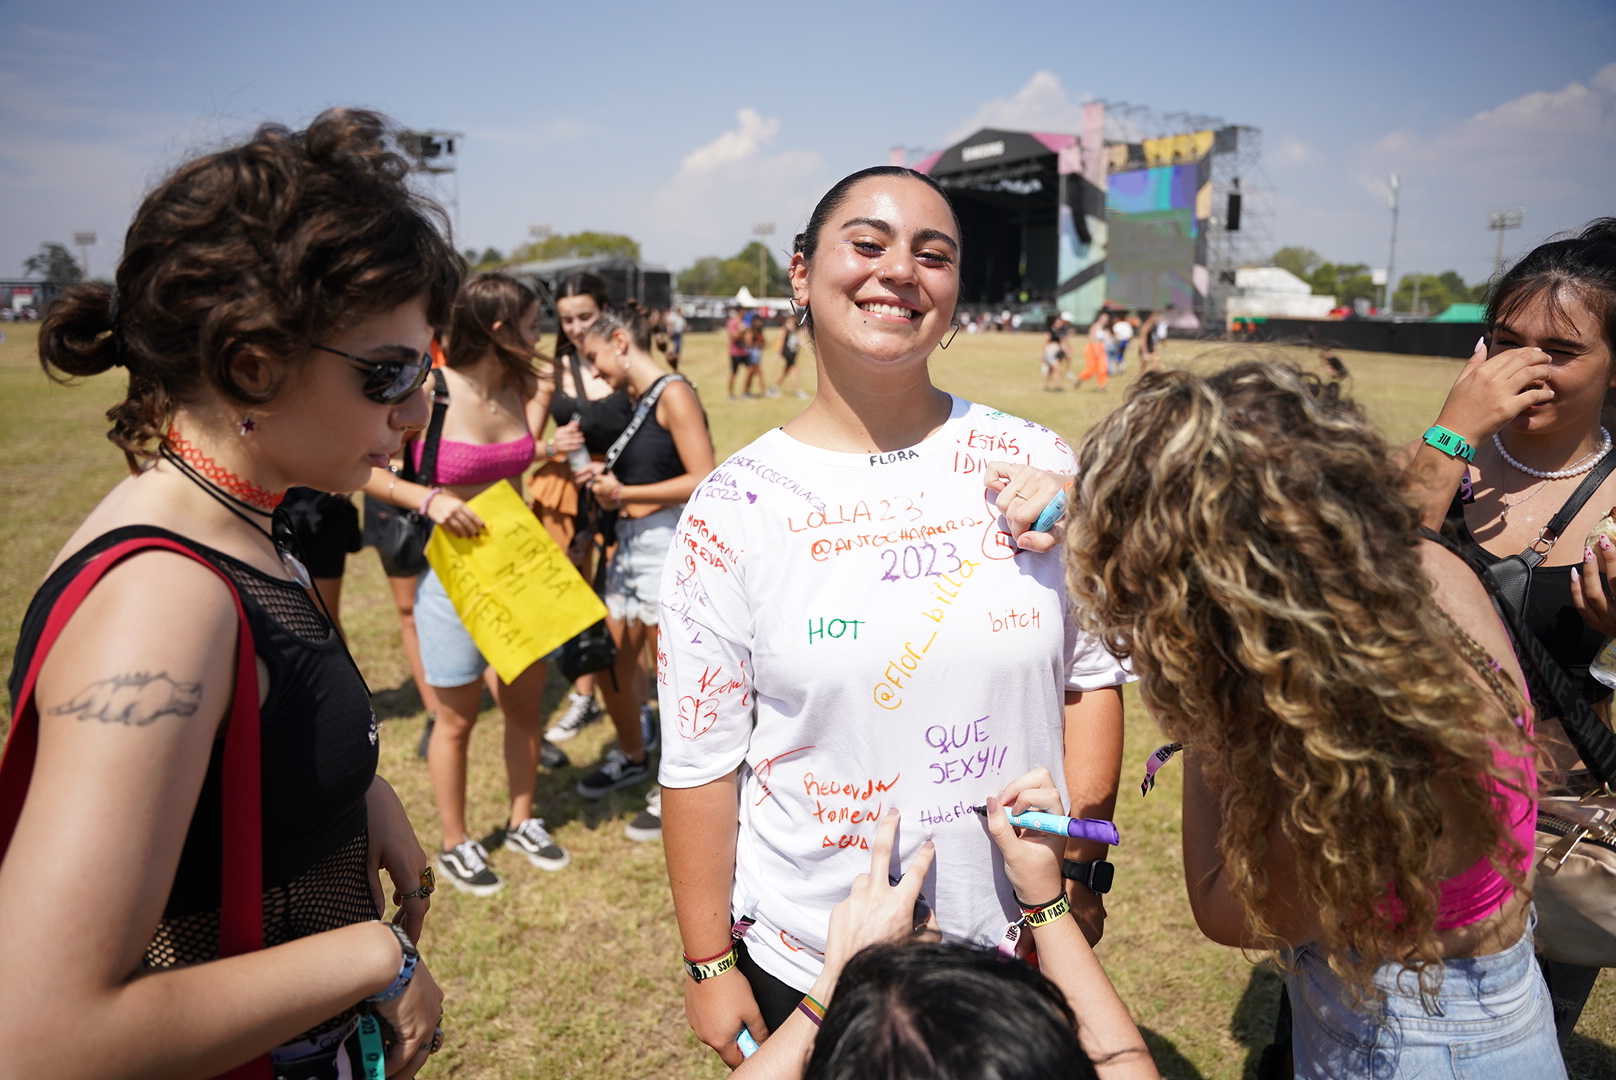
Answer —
(1096, 876)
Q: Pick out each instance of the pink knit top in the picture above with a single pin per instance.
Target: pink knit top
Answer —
(470, 463)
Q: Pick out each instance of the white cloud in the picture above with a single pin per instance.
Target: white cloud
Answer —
(1041, 105)
(1289, 152)
(721, 188)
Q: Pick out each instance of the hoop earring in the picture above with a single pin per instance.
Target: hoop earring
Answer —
(950, 340)
(247, 425)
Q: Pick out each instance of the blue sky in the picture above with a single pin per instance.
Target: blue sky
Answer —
(683, 125)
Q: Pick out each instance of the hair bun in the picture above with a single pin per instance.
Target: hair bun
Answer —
(77, 340)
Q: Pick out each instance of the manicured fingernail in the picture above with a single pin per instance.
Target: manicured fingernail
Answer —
(1587, 554)
(1482, 340)
(1604, 542)
(1575, 577)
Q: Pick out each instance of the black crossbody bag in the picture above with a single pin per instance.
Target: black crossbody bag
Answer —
(401, 535)
(594, 649)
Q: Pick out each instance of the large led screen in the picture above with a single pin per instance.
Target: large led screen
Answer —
(1155, 236)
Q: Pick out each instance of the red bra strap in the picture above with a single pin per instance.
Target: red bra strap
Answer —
(241, 913)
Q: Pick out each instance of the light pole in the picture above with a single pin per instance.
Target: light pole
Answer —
(760, 230)
(1498, 221)
(1391, 258)
(85, 240)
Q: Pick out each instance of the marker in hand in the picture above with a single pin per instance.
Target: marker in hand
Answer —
(1097, 829)
(1052, 513)
(747, 1044)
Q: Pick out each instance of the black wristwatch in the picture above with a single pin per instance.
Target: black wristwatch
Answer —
(1097, 875)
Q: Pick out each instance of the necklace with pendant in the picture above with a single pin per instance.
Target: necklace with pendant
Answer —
(1503, 518)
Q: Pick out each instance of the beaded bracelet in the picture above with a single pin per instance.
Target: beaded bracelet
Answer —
(426, 502)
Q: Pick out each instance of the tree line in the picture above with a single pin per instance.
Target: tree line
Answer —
(1348, 282)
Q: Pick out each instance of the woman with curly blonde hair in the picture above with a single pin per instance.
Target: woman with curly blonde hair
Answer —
(1359, 786)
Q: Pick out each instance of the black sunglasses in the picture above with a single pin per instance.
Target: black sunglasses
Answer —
(388, 382)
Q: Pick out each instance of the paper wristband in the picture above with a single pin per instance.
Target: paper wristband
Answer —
(1162, 756)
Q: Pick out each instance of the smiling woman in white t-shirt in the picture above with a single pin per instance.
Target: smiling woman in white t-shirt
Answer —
(849, 579)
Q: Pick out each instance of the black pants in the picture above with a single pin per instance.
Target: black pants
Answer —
(1569, 987)
(776, 1000)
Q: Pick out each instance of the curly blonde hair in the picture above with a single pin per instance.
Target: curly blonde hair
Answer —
(1242, 539)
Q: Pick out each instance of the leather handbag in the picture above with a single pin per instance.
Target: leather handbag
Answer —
(401, 535)
(241, 925)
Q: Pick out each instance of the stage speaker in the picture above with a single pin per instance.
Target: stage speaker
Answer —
(1231, 220)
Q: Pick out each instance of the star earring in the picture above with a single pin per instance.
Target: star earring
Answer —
(247, 425)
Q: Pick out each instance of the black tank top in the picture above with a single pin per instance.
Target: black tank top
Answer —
(319, 757)
(650, 456)
(600, 421)
(1550, 615)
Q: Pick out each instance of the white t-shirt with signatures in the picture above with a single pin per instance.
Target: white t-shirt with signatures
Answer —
(898, 651)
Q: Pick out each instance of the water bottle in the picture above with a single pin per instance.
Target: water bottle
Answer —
(578, 459)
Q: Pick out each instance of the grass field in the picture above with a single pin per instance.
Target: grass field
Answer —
(576, 974)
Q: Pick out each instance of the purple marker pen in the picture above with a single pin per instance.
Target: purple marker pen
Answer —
(1104, 832)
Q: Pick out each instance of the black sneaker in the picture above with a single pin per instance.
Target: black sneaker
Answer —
(552, 756)
(581, 712)
(466, 866)
(531, 839)
(648, 825)
(617, 771)
(426, 736)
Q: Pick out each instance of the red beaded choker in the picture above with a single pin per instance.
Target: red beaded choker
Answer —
(248, 492)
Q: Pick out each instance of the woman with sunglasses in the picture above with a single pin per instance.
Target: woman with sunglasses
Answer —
(847, 581)
(271, 310)
(485, 441)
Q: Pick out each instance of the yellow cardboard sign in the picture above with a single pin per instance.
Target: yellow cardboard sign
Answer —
(515, 591)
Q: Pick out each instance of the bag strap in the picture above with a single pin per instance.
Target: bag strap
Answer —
(241, 912)
(1593, 741)
(434, 430)
(1585, 491)
(647, 402)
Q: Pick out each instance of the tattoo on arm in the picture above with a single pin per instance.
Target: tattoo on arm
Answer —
(134, 699)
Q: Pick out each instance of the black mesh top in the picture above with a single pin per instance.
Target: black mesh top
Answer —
(319, 757)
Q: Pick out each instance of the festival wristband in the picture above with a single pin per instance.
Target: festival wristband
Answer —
(1162, 756)
(406, 969)
(812, 1009)
(711, 967)
(1052, 513)
(1044, 914)
(1450, 443)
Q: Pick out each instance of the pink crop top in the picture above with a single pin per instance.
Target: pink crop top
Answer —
(469, 463)
(1471, 896)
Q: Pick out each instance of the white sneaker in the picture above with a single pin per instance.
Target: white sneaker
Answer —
(648, 825)
(533, 840)
(581, 712)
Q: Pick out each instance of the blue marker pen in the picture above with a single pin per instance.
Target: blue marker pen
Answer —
(747, 1044)
(1097, 829)
(1052, 513)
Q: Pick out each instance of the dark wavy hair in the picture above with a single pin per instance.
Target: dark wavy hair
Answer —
(945, 1011)
(806, 243)
(1583, 266)
(483, 301)
(629, 318)
(258, 250)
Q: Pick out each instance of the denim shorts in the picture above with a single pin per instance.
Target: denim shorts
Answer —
(1491, 1018)
(448, 655)
(635, 576)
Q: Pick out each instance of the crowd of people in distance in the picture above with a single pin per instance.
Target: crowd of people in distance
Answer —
(849, 733)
